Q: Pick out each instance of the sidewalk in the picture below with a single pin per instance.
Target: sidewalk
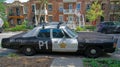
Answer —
(67, 62)
(116, 54)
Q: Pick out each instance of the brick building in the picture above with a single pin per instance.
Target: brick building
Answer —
(15, 13)
(71, 11)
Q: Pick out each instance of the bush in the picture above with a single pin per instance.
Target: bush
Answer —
(22, 27)
(78, 28)
(18, 28)
(91, 28)
(6, 25)
(105, 62)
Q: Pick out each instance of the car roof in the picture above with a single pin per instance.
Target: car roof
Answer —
(52, 25)
(49, 26)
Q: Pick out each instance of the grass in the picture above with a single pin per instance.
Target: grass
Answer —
(104, 62)
(13, 55)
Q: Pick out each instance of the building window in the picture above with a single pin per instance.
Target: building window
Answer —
(19, 22)
(115, 5)
(25, 10)
(11, 12)
(103, 6)
(78, 6)
(70, 18)
(60, 7)
(33, 8)
(60, 17)
(87, 6)
(17, 11)
(50, 18)
(70, 6)
(49, 7)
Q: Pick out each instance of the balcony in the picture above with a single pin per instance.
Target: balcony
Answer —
(69, 1)
(43, 12)
(69, 11)
(115, 8)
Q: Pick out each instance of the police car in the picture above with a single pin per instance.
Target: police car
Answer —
(60, 38)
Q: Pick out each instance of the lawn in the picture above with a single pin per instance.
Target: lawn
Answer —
(104, 62)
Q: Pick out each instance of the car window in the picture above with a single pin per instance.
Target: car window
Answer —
(66, 35)
(44, 33)
(57, 33)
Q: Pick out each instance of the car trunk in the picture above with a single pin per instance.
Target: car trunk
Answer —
(94, 37)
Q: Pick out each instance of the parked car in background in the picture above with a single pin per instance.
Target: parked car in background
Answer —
(109, 27)
(1, 25)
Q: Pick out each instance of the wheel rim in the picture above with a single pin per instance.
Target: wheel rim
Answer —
(93, 51)
(28, 49)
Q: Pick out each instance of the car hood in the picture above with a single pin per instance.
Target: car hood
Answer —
(94, 37)
(18, 35)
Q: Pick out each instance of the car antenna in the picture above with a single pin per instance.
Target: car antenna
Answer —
(59, 24)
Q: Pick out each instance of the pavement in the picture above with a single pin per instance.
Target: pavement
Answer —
(67, 62)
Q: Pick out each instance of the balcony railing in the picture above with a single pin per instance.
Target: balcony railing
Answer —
(43, 12)
(69, 11)
(115, 7)
(69, 0)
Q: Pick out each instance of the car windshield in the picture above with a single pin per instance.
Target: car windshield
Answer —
(71, 32)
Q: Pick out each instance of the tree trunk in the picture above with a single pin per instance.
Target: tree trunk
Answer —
(39, 14)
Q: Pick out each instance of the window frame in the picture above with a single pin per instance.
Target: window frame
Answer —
(63, 32)
(50, 9)
(44, 29)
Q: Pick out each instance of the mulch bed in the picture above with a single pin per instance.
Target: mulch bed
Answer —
(25, 61)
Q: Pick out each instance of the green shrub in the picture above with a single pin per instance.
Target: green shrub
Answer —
(18, 28)
(6, 25)
(13, 55)
(78, 28)
(91, 28)
(25, 25)
(105, 62)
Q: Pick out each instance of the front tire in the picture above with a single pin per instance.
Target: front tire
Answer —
(93, 52)
(28, 50)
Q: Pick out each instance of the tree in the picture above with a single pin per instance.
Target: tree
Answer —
(94, 12)
(2, 9)
(42, 4)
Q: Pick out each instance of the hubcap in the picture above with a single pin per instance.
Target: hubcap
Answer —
(93, 51)
(28, 49)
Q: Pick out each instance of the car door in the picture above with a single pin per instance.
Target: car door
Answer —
(44, 41)
(61, 42)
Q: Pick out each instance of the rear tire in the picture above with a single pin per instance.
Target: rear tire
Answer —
(93, 52)
(28, 50)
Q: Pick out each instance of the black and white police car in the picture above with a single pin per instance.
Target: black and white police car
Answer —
(60, 38)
